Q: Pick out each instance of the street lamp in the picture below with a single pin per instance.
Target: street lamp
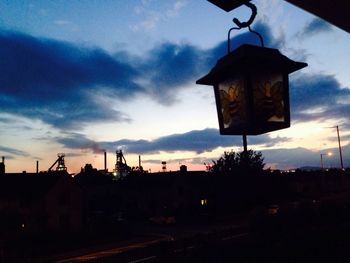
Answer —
(322, 154)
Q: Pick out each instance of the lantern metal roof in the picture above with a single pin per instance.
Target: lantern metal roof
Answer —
(249, 58)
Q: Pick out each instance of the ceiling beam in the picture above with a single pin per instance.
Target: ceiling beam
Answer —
(335, 12)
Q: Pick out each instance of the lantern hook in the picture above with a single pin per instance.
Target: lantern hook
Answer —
(250, 20)
(241, 25)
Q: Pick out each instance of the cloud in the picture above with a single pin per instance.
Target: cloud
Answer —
(315, 26)
(198, 141)
(14, 151)
(342, 137)
(151, 16)
(175, 9)
(147, 24)
(279, 158)
(291, 158)
(170, 66)
(299, 157)
(58, 82)
(79, 141)
(246, 37)
(195, 141)
(67, 85)
(6, 120)
(318, 98)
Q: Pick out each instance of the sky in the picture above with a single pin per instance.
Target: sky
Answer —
(82, 77)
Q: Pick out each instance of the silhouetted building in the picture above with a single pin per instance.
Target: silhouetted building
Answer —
(90, 175)
(183, 168)
(39, 203)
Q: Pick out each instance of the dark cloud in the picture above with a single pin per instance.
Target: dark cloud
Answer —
(13, 151)
(74, 154)
(6, 120)
(315, 26)
(170, 66)
(295, 157)
(62, 83)
(299, 157)
(245, 37)
(57, 82)
(318, 98)
(281, 158)
(79, 141)
(206, 141)
(198, 141)
(46, 69)
(342, 137)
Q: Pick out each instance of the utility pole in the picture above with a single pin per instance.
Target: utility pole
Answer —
(340, 153)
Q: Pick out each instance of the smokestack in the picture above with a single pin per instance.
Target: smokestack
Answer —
(2, 166)
(163, 166)
(139, 161)
(105, 161)
(37, 167)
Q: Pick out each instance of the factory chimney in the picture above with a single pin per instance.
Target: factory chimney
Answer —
(163, 166)
(37, 167)
(105, 158)
(2, 166)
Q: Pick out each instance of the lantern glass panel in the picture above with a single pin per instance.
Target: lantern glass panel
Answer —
(268, 94)
(232, 105)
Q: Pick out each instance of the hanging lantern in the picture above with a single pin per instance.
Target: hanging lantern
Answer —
(251, 90)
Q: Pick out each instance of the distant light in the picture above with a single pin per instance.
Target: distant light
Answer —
(204, 202)
(273, 209)
(22, 225)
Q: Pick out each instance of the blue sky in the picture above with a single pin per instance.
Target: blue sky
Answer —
(81, 77)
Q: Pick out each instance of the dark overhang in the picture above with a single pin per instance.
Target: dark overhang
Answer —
(228, 5)
(335, 12)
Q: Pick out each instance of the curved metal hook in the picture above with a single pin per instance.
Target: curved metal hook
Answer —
(241, 25)
(250, 20)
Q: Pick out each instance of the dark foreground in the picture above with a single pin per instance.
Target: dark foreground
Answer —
(302, 235)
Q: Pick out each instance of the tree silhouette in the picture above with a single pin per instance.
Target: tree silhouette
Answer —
(232, 162)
